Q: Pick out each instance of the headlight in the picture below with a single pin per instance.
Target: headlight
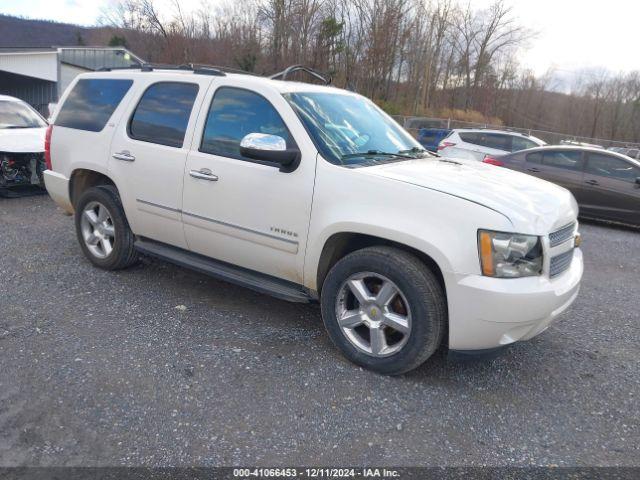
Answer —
(509, 255)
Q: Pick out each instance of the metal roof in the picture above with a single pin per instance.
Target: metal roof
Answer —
(90, 58)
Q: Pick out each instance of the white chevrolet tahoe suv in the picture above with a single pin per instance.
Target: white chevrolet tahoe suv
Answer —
(312, 193)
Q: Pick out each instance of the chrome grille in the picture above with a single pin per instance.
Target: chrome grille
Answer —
(560, 236)
(560, 263)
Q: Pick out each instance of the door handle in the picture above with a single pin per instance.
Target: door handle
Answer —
(203, 174)
(124, 155)
(535, 170)
(592, 182)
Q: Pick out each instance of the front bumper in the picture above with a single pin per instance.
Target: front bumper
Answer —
(58, 188)
(19, 169)
(486, 312)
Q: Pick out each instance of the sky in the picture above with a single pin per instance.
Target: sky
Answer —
(572, 35)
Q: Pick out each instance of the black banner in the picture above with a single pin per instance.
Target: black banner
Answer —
(390, 473)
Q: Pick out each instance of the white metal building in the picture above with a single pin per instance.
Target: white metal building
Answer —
(40, 75)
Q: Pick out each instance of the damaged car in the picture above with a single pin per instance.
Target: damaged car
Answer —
(22, 132)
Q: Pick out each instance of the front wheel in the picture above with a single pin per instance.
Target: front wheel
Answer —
(384, 309)
(102, 229)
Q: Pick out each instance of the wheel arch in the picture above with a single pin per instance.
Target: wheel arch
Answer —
(341, 244)
(82, 178)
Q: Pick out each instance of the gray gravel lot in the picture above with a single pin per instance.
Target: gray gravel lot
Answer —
(100, 368)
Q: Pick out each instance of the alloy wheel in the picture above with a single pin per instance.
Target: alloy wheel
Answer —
(373, 314)
(97, 228)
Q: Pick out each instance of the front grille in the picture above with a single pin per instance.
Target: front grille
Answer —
(560, 236)
(560, 263)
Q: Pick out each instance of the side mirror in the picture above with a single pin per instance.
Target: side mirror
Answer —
(270, 148)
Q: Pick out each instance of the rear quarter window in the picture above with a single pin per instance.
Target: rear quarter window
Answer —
(91, 103)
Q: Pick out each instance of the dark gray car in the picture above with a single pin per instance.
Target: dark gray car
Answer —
(606, 184)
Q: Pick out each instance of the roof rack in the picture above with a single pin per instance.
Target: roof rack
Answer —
(301, 68)
(150, 67)
(220, 71)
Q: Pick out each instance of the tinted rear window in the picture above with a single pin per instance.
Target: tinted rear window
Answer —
(535, 157)
(470, 137)
(490, 140)
(566, 159)
(498, 141)
(162, 115)
(91, 103)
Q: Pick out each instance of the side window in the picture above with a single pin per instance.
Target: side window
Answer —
(91, 103)
(535, 157)
(609, 166)
(470, 137)
(234, 113)
(490, 140)
(162, 115)
(498, 141)
(565, 159)
(520, 143)
(428, 136)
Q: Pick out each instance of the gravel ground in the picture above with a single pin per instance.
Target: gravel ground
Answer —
(101, 368)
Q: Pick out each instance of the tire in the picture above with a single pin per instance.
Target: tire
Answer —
(108, 224)
(418, 310)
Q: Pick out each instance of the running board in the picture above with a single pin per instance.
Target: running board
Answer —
(224, 271)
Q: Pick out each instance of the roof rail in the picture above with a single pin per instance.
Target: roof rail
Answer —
(233, 70)
(219, 71)
(150, 67)
(301, 68)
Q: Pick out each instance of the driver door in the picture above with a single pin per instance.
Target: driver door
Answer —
(244, 211)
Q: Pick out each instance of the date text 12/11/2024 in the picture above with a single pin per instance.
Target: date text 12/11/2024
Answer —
(315, 473)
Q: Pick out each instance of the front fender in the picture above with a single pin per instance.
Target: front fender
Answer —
(443, 227)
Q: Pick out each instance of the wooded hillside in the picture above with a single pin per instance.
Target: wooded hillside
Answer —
(413, 57)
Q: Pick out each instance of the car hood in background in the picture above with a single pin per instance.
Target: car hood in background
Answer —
(22, 140)
(532, 205)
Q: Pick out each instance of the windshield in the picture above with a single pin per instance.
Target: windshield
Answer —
(350, 130)
(18, 115)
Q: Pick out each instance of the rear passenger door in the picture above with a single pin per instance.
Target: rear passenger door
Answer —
(562, 167)
(149, 151)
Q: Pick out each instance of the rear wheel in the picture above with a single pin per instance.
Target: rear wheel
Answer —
(384, 309)
(103, 230)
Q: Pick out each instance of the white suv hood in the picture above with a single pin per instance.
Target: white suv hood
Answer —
(22, 140)
(532, 205)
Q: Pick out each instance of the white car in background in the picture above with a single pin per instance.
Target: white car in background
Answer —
(476, 144)
(22, 131)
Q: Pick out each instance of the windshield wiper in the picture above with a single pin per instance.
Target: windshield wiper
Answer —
(376, 153)
(418, 150)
